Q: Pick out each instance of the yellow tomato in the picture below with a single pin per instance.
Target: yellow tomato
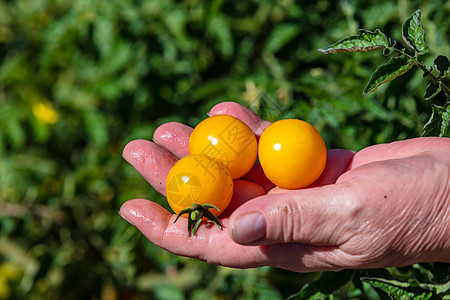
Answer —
(199, 179)
(292, 153)
(227, 139)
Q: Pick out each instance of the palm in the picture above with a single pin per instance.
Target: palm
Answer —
(153, 160)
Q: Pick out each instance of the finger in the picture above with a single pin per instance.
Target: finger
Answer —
(174, 137)
(315, 216)
(214, 246)
(256, 124)
(151, 161)
(306, 258)
(338, 161)
(397, 149)
(209, 244)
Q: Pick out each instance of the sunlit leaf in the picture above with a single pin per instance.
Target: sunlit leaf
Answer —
(326, 284)
(364, 41)
(400, 290)
(413, 33)
(432, 90)
(395, 67)
(439, 121)
(445, 121)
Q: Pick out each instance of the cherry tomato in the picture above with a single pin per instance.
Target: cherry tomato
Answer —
(227, 139)
(292, 153)
(199, 179)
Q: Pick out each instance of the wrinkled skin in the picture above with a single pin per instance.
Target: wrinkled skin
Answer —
(387, 205)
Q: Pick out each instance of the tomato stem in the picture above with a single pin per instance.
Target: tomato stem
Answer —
(196, 213)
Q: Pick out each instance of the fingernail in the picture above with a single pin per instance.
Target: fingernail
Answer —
(249, 228)
(123, 215)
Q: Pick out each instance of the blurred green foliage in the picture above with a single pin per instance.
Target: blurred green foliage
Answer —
(79, 79)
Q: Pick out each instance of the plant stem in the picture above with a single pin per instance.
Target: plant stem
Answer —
(444, 88)
(434, 78)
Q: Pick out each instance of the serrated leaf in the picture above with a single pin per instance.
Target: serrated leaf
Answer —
(413, 33)
(444, 288)
(442, 64)
(432, 90)
(395, 67)
(364, 41)
(439, 121)
(400, 290)
(445, 121)
(325, 285)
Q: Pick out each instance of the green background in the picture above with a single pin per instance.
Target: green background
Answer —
(80, 78)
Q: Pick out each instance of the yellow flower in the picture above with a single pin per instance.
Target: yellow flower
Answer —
(45, 113)
(252, 94)
(8, 272)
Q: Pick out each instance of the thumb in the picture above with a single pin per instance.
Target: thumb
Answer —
(326, 215)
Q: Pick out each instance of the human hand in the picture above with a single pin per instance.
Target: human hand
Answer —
(387, 205)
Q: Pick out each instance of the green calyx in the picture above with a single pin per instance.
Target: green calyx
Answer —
(196, 213)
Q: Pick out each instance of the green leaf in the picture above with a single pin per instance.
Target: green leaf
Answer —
(280, 36)
(413, 33)
(364, 41)
(219, 28)
(444, 288)
(441, 272)
(401, 290)
(96, 127)
(439, 121)
(325, 285)
(389, 51)
(395, 67)
(442, 64)
(432, 90)
(167, 291)
(445, 121)
(104, 35)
